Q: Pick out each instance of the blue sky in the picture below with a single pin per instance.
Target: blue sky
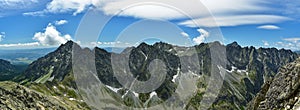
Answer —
(49, 23)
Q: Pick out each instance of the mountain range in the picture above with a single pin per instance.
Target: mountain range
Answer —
(247, 73)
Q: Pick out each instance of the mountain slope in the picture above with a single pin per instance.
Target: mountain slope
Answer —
(54, 65)
(283, 92)
(7, 70)
(246, 71)
(52, 75)
(14, 96)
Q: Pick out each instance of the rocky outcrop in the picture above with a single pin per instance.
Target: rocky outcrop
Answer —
(17, 97)
(283, 92)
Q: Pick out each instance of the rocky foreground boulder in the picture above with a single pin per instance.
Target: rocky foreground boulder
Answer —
(283, 92)
(17, 97)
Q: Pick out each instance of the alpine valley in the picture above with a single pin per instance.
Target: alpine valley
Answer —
(253, 78)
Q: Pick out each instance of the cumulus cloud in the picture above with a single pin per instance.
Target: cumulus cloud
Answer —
(61, 22)
(200, 39)
(2, 36)
(51, 36)
(75, 6)
(268, 27)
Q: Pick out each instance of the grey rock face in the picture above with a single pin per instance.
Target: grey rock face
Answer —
(17, 97)
(282, 92)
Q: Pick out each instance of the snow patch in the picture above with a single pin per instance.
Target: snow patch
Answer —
(233, 68)
(125, 94)
(221, 69)
(51, 79)
(175, 76)
(146, 57)
(55, 59)
(194, 74)
(153, 94)
(113, 89)
(136, 94)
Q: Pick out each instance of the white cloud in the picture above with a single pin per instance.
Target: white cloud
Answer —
(75, 6)
(151, 7)
(295, 40)
(65, 6)
(184, 34)
(269, 27)
(16, 4)
(2, 36)
(289, 7)
(226, 12)
(61, 22)
(51, 36)
(11, 7)
(200, 39)
(234, 20)
(170, 9)
(289, 43)
(266, 43)
(109, 44)
(37, 13)
(20, 45)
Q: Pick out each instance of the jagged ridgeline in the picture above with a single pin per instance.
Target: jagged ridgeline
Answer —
(246, 71)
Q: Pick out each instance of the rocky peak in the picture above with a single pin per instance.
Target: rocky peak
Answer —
(234, 44)
(54, 66)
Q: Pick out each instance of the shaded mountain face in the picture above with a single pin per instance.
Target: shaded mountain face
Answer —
(246, 71)
(281, 92)
(55, 65)
(7, 70)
